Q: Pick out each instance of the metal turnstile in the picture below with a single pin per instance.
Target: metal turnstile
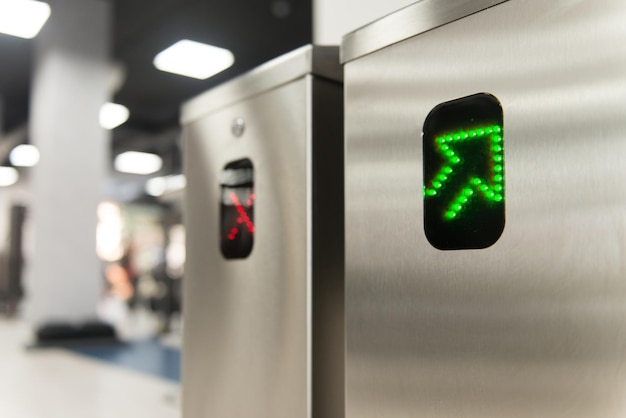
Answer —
(263, 297)
(486, 211)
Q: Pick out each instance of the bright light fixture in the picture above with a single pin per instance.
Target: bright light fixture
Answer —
(194, 59)
(138, 162)
(24, 155)
(23, 18)
(8, 176)
(112, 115)
(156, 186)
(159, 185)
(109, 245)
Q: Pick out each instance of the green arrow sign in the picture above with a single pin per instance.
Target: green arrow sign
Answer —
(463, 167)
(490, 187)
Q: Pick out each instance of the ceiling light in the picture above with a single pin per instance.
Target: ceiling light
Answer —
(138, 162)
(8, 176)
(194, 59)
(159, 185)
(113, 115)
(24, 156)
(23, 18)
(156, 186)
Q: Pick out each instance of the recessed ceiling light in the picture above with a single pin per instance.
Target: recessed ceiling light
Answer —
(157, 186)
(8, 176)
(113, 115)
(23, 18)
(194, 59)
(24, 156)
(138, 162)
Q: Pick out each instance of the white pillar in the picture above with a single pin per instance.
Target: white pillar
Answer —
(64, 278)
(332, 19)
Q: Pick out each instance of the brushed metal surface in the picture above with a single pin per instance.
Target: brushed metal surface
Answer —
(309, 59)
(409, 21)
(263, 335)
(533, 326)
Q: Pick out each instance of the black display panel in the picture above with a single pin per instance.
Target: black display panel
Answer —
(463, 151)
(237, 209)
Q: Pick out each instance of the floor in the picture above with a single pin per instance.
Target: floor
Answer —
(148, 356)
(60, 383)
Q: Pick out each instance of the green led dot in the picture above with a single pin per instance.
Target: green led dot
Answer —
(437, 184)
(442, 177)
(497, 148)
(450, 154)
(497, 129)
(498, 178)
(450, 215)
(491, 195)
(447, 170)
(457, 208)
(498, 198)
(457, 137)
(465, 135)
(464, 199)
(472, 133)
(498, 168)
(440, 140)
(498, 188)
(455, 160)
(497, 139)
(449, 138)
(476, 181)
(481, 132)
(489, 130)
(468, 192)
(445, 147)
(498, 158)
(484, 188)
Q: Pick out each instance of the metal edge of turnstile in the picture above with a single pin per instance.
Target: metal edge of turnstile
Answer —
(328, 246)
(322, 61)
(412, 20)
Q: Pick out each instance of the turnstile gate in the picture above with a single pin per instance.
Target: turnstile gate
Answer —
(486, 211)
(263, 299)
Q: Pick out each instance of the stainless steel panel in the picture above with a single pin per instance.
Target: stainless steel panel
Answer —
(309, 59)
(419, 17)
(534, 325)
(263, 335)
(246, 331)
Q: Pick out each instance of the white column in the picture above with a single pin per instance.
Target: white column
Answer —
(332, 19)
(70, 82)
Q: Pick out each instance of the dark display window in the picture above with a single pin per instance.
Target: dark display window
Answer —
(463, 149)
(237, 209)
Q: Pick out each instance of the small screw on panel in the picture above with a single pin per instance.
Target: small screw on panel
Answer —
(238, 127)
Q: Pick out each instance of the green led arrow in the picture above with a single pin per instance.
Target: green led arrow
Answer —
(492, 188)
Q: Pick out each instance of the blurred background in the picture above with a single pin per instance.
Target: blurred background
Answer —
(92, 235)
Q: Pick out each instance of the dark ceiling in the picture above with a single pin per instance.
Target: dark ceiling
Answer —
(254, 30)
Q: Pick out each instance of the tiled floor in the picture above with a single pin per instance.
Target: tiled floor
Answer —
(56, 383)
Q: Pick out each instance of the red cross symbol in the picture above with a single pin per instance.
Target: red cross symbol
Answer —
(243, 218)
